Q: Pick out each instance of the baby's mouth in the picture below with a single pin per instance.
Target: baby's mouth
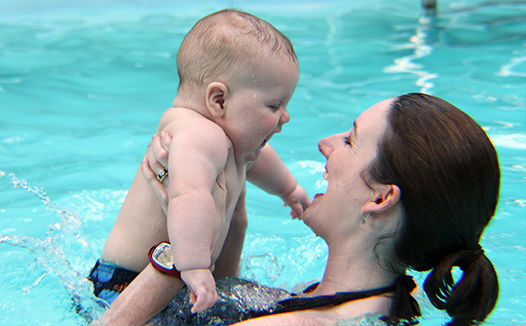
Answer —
(266, 141)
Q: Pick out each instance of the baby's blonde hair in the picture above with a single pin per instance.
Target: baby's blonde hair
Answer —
(223, 39)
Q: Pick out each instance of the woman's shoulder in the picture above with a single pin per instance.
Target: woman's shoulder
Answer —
(238, 300)
(307, 318)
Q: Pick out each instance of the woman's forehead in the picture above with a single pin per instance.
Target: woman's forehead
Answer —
(375, 116)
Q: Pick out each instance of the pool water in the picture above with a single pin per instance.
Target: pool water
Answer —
(83, 84)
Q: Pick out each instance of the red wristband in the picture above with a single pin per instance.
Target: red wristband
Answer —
(162, 260)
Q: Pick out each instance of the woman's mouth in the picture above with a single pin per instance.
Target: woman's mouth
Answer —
(325, 176)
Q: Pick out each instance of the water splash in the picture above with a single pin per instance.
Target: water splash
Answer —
(263, 267)
(50, 253)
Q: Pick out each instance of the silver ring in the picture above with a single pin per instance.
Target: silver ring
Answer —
(161, 175)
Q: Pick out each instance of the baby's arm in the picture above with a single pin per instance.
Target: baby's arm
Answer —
(156, 159)
(269, 173)
(197, 157)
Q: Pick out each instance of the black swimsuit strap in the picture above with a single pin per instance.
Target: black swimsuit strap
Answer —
(303, 303)
(405, 306)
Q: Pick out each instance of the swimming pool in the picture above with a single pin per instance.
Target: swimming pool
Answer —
(83, 84)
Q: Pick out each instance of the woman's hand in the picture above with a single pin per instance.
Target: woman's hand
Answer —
(154, 161)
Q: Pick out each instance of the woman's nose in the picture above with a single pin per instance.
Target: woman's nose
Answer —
(325, 147)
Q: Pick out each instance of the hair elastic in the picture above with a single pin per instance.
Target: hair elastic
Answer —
(477, 250)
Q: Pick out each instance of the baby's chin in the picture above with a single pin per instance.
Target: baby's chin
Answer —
(249, 158)
(255, 155)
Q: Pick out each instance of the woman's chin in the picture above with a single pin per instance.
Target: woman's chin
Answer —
(316, 199)
(306, 216)
(311, 210)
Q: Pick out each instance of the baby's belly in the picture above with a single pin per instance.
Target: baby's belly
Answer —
(128, 247)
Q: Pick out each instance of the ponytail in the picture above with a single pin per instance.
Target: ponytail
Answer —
(448, 172)
(474, 296)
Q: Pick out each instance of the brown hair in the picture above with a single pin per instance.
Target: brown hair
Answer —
(449, 176)
(225, 38)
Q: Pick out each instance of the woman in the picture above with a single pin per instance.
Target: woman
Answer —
(411, 186)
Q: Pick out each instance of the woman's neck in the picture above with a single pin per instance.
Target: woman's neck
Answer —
(351, 270)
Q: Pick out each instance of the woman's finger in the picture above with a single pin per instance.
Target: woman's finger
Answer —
(166, 140)
(159, 148)
(158, 187)
(153, 162)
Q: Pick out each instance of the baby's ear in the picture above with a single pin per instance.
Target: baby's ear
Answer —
(215, 98)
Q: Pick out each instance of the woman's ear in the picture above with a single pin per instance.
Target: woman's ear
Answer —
(216, 92)
(386, 197)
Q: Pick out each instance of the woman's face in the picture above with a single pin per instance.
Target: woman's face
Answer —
(337, 213)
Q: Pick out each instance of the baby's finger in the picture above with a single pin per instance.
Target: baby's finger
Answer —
(296, 210)
(204, 300)
(193, 298)
(200, 301)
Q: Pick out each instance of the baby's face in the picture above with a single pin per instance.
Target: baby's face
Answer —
(256, 107)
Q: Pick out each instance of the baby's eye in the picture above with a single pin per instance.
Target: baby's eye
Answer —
(347, 141)
(274, 108)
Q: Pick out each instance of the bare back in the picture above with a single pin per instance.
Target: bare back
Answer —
(141, 222)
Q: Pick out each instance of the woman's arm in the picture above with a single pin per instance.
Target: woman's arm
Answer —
(148, 294)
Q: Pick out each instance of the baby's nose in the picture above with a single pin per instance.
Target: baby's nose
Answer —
(284, 118)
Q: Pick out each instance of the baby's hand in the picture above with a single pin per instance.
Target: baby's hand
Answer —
(202, 287)
(297, 200)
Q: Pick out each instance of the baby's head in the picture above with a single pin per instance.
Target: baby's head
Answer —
(226, 44)
(240, 72)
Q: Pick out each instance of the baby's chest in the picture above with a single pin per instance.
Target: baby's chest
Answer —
(229, 186)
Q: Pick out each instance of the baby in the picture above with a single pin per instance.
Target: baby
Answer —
(237, 73)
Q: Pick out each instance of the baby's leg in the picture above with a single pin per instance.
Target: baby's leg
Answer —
(227, 265)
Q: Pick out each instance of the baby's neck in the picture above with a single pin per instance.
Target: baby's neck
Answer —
(191, 100)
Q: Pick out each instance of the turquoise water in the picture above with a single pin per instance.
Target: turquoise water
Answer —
(83, 84)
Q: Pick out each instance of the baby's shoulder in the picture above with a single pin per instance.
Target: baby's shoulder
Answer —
(179, 119)
(182, 115)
